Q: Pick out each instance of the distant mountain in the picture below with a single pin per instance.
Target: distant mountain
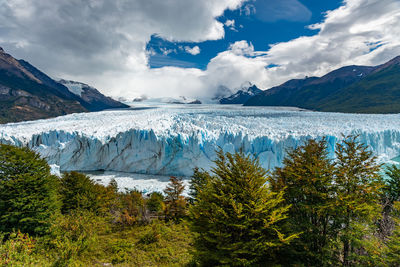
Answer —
(242, 95)
(356, 89)
(168, 100)
(379, 92)
(91, 95)
(309, 92)
(26, 93)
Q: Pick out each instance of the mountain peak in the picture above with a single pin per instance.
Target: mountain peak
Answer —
(1, 50)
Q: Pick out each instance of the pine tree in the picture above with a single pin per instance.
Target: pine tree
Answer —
(307, 179)
(236, 217)
(28, 192)
(358, 187)
(175, 202)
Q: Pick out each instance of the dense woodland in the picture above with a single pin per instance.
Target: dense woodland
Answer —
(314, 211)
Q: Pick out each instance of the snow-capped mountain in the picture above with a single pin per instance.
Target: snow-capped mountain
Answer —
(91, 95)
(242, 95)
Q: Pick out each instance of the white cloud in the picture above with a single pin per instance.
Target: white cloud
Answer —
(230, 23)
(102, 40)
(195, 50)
(104, 43)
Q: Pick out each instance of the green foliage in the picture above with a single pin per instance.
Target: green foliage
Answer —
(19, 250)
(236, 217)
(198, 181)
(393, 244)
(133, 208)
(307, 180)
(74, 234)
(28, 193)
(155, 202)
(175, 203)
(358, 189)
(334, 204)
(392, 188)
(78, 191)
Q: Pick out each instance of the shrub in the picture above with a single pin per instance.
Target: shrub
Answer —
(28, 192)
(79, 192)
(155, 202)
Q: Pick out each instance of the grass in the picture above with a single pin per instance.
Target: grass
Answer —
(156, 244)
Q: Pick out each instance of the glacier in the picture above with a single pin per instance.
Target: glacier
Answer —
(173, 139)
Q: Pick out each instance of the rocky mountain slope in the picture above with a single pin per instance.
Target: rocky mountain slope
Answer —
(242, 95)
(92, 96)
(26, 93)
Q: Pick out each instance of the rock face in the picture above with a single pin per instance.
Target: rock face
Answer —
(91, 95)
(172, 141)
(241, 96)
(25, 96)
(26, 93)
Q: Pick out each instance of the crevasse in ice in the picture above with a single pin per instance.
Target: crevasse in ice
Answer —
(172, 139)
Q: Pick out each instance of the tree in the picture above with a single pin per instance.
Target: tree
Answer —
(79, 192)
(133, 208)
(390, 194)
(28, 192)
(307, 180)
(358, 187)
(155, 202)
(175, 202)
(392, 187)
(198, 181)
(236, 216)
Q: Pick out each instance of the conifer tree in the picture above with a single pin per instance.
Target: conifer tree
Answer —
(197, 183)
(307, 179)
(175, 202)
(28, 192)
(236, 217)
(358, 186)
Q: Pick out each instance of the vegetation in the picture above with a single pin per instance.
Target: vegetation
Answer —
(313, 211)
(28, 193)
(236, 216)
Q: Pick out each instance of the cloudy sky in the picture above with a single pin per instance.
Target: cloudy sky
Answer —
(191, 47)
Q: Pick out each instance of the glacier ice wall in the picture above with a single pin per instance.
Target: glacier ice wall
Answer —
(173, 140)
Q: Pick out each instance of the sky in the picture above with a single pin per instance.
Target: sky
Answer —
(170, 48)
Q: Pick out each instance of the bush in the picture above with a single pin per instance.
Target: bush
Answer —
(74, 234)
(155, 203)
(133, 208)
(79, 192)
(17, 250)
(28, 192)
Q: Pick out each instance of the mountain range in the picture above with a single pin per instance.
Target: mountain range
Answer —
(242, 95)
(352, 89)
(26, 93)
